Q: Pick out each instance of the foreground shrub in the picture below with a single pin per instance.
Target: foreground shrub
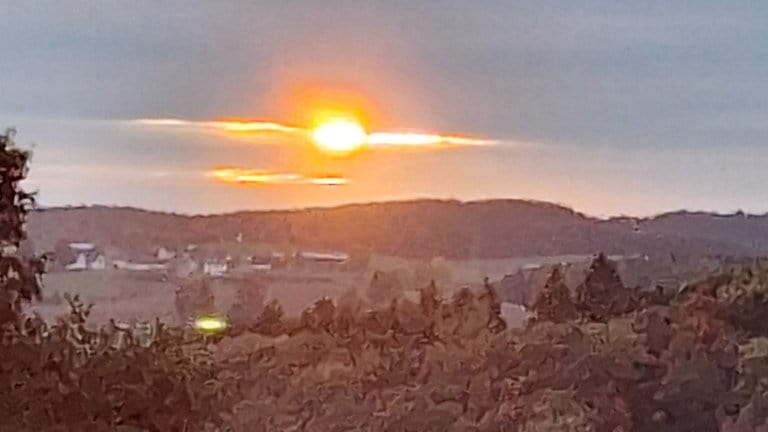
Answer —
(65, 377)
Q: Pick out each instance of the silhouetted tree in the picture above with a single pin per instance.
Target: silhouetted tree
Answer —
(743, 297)
(20, 278)
(384, 286)
(554, 301)
(496, 323)
(602, 294)
(249, 304)
(27, 249)
(428, 299)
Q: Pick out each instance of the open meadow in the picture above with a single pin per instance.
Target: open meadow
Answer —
(127, 296)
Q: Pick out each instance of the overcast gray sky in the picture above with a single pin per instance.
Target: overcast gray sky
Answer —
(623, 109)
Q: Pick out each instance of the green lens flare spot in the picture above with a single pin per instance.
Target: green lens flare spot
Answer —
(210, 324)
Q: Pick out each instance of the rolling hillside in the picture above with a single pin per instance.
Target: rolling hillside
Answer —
(418, 229)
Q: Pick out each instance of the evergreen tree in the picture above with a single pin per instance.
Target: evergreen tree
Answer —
(554, 301)
(602, 294)
(495, 322)
(428, 299)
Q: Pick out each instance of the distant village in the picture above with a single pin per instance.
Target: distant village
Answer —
(238, 258)
(211, 262)
(516, 284)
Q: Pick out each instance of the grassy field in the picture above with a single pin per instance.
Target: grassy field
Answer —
(128, 296)
(473, 271)
(113, 293)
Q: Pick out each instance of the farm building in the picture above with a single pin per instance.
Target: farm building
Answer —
(135, 266)
(164, 254)
(88, 257)
(337, 257)
(214, 268)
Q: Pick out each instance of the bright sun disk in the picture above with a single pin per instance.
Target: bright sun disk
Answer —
(339, 136)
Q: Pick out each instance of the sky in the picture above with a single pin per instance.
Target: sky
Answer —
(612, 108)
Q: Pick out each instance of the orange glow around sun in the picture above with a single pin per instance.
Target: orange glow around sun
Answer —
(335, 121)
(327, 127)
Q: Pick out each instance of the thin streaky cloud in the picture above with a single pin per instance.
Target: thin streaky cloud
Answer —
(423, 139)
(260, 177)
(102, 171)
(373, 139)
(218, 125)
(329, 180)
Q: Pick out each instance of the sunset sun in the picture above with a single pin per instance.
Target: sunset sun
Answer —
(339, 135)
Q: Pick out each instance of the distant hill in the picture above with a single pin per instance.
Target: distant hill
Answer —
(419, 229)
(748, 231)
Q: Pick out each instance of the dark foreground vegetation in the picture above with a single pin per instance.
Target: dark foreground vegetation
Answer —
(602, 359)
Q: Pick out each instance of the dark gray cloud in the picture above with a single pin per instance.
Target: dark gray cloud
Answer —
(544, 69)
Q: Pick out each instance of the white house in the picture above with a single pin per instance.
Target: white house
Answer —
(81, 263)
(164, 254)
(98, 263)
(530, 267)
(82, 246)
(260, 263)
(130, 266)
(262, 267)
(339, 257)
(214, 269)
(88, 260)
(88, 257)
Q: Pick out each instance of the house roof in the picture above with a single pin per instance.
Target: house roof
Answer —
(82, 246)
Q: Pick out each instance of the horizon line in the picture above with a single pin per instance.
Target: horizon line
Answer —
(295, 209)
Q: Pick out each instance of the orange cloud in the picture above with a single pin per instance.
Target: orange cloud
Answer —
(329, 180)
(255, 177)
(412, 139)
(372, 139)
(234, 126)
